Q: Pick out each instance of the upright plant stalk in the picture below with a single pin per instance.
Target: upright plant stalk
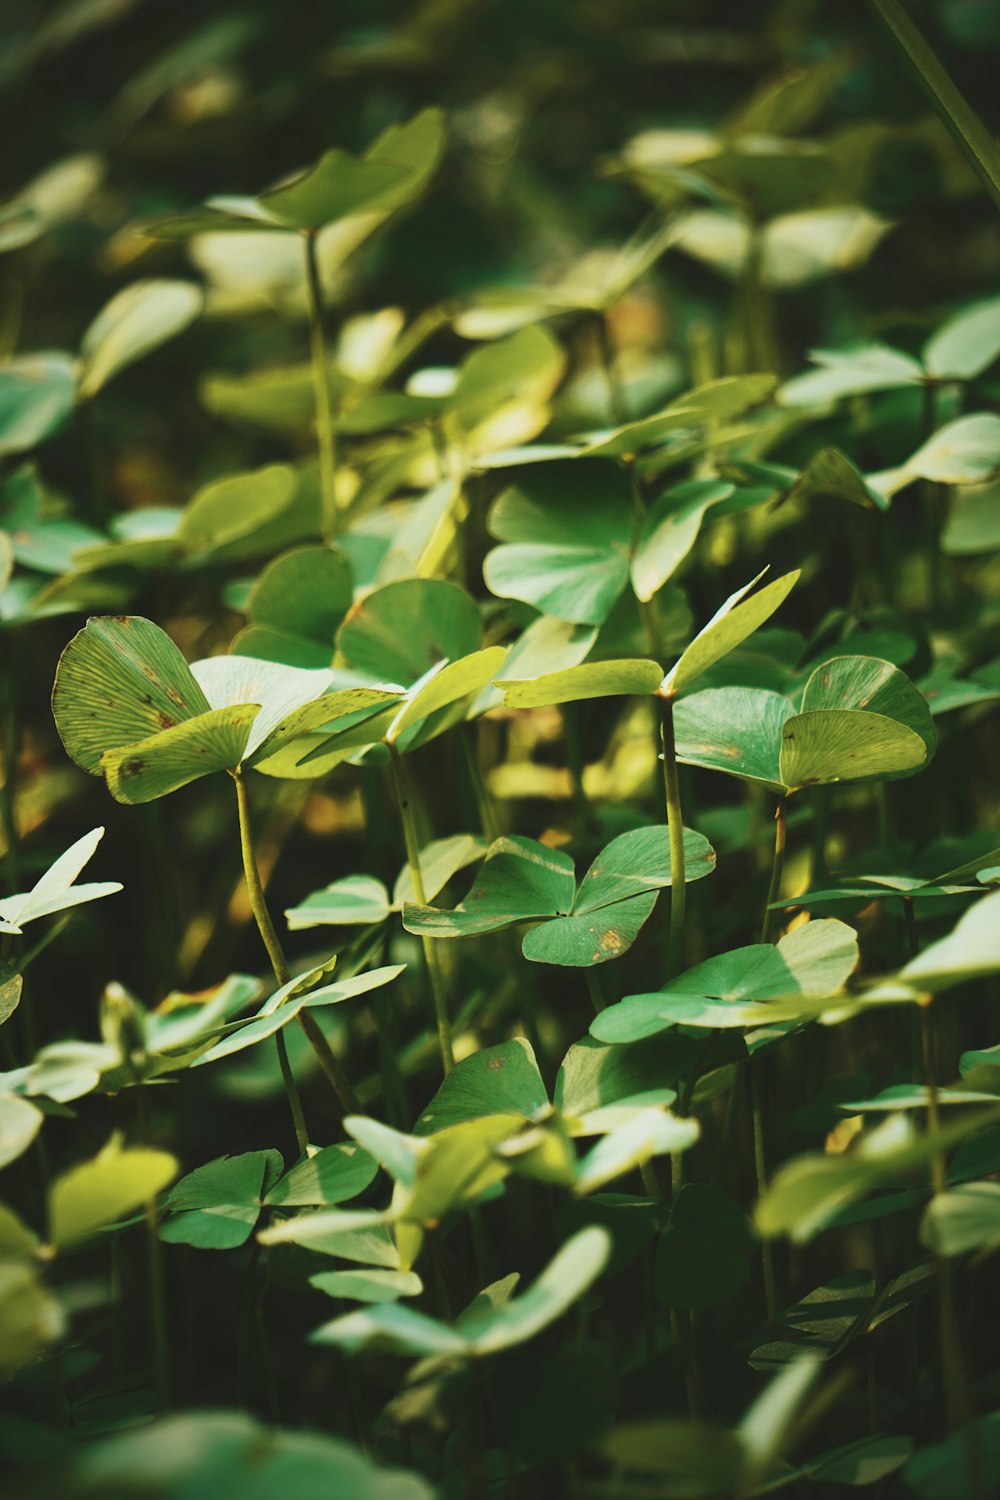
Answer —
(435, 977)
(956, 1378)
(675, 829)
(777, 869)
(158, 1311)
(617, 403)
(325, 1056)
(325, 432)
(760, 1174)
(481, 792)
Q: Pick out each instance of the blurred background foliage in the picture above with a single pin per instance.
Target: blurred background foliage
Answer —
(570, 127)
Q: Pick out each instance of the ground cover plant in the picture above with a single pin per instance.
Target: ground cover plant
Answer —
(499, 531)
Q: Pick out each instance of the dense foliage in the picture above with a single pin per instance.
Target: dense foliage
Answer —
(505, 503)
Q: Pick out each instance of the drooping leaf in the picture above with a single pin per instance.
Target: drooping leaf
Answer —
(967, 344)
(374, 1285)
(835, 744)
(20, 1122)
(733, 729)
(598, 679)
(136, 320)
(108, 1187)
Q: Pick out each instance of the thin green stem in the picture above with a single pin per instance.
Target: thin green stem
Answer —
(292, 1094)
(11, 740)
(760, 1173)
(158, 1311)
(258, 905)
(597, 996)
(958, 1402)
(777, 870)
(404, 802)
(960, 119)
(675, 828)
(481, 792)
(617, 402)
(325, 430)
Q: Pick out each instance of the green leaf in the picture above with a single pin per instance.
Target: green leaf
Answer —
(302, 595)
(733, 729)
(968, 1463)
(615, 898)
(814, 960)
(865, 682)
(56, 890)
(599, 1086)
(806, 1192)
(20, 1122)
(164, 762)
(486, 1327)
(236, 506)
(355, 899)
(216, 1206)
(31, 1318)
(965, 451)
(137, 320)
(338, 186)
(973, 523)
(454, 682)
(967, 344)
(972, 949)
(962, 1219)
(400, 630)
(229, 1456)
(650, 1132)
(519, 881)
(670, 529)
(527, 366)
(597, 679)
(742, 614)
(333, 1175)
(496, 1080)
(829, 475)
(112, 1185)
(37, 392)
(120, 680)
(851, 372)
(705, 1254)
(566, 530)
(368, 1285)
(834, 744)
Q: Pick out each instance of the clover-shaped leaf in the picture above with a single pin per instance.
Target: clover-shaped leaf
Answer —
(752, 986)
(37, 392)
(56, 890)
(524, 881)
(127, 705)
(859, 718)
